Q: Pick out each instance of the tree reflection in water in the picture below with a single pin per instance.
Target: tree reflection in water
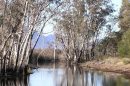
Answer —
(73, 76)
(11, 81)
(66, 76)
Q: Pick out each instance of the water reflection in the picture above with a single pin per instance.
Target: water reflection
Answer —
(74, 76)
(53, 75)
(11, 81)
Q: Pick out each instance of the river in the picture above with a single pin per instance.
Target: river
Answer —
(59, 75)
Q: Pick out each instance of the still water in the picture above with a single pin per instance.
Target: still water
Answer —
(53, 75)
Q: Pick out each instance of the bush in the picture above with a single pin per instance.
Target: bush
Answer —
(124, 45)
(126, 60)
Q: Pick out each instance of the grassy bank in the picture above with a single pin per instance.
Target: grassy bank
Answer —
(118, 65)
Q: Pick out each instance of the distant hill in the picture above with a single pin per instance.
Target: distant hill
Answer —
(44, 41)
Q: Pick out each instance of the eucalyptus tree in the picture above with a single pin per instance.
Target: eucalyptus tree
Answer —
(79, 25)
(124, 16)
(20, 19)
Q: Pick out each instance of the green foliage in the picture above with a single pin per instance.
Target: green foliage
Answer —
(108, 45)
(124, 45)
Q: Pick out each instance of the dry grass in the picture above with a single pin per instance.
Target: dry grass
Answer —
(46, 53)
(119, 65)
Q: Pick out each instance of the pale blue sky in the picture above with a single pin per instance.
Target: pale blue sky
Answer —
(117, 5)
(48, 29)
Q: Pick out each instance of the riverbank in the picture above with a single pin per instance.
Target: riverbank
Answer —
(117, 65)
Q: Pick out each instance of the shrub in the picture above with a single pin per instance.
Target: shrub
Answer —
(124, 45)
(126, 60)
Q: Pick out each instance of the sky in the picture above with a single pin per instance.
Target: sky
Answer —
(48, 30)
(117, 5)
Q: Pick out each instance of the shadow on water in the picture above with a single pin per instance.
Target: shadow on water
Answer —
(13, 81)
(64, 75)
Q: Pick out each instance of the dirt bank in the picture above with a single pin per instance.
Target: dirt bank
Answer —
(118, 65)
